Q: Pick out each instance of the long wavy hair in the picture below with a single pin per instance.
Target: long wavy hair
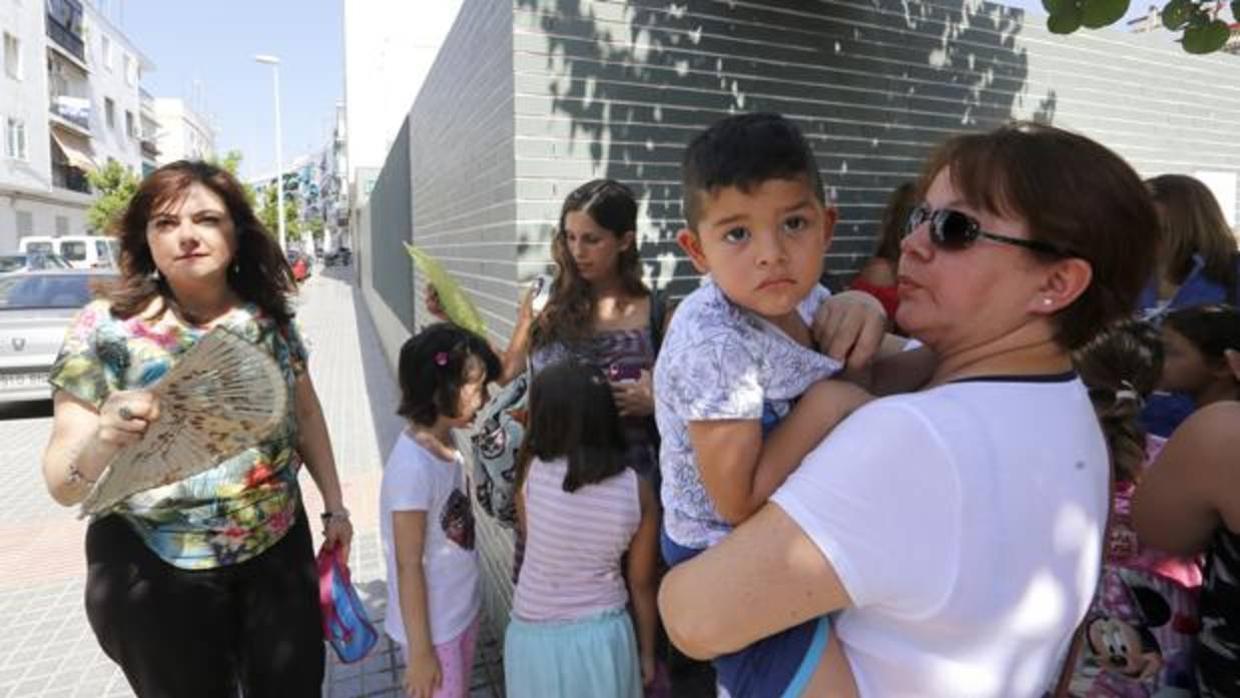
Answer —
(259, 273)
(1192, 224)
(569, 315)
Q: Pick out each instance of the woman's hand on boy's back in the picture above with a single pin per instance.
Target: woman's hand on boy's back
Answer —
(849, 327)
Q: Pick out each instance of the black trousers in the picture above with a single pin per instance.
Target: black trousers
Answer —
(254, 627)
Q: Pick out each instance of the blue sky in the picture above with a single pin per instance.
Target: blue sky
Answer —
(214, 42)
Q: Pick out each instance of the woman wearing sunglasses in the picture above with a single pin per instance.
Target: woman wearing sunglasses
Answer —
(958, 530)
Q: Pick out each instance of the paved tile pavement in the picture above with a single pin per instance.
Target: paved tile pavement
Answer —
(49, 648)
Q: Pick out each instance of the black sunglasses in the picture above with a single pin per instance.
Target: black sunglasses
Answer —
(954, 230)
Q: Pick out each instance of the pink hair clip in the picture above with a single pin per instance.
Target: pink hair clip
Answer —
(441, 359)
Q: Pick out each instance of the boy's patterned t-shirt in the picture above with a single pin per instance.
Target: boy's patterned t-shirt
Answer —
(222, 516)
(720, 361)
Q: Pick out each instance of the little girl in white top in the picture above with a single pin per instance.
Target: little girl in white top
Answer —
(426, 522)
(582, 510)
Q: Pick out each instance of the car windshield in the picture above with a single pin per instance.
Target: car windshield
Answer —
(45, 291)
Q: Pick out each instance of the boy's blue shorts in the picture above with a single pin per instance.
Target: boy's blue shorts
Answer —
(779, 666)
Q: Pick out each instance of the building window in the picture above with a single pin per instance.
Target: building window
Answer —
(62, 225)
(105, 44)
(12, 56)
(15, 138)
(109, 110)
(131, 128)
(127, 64)
(25, 223)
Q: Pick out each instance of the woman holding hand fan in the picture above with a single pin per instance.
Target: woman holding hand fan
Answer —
(207, 584)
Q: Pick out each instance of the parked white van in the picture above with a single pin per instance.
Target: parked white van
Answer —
(81, 251)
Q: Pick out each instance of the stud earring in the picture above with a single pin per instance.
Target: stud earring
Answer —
(154, 275)
(1047, 301)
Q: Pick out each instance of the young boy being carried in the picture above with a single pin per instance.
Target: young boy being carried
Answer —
(742, 394)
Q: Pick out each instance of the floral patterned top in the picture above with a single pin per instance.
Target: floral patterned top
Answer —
(225, 515)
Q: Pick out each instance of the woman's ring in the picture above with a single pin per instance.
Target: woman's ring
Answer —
(125, 413)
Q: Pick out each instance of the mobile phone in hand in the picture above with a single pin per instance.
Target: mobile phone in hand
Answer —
(624, 373)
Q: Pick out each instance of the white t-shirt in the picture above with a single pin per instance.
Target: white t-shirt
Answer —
(415, 480)
(965, 522)
(720, 361)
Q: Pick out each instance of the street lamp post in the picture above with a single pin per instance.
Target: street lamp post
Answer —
(274, 62)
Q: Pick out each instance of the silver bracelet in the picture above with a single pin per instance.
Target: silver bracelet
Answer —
(77, 478)
(329, 516)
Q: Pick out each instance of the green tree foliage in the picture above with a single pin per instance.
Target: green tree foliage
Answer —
(315, 227)
(1202, 24)
(268, 213)
(231, 162)
(115, 185)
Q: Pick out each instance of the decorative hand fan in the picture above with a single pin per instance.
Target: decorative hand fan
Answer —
(225, 395)
(456, 304)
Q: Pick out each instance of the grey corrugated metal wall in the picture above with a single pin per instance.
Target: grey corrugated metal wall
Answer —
(390, 212)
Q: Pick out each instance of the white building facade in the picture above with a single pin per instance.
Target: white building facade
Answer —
(69, 103)
(389, 48)
(183, 134)
(116, 72)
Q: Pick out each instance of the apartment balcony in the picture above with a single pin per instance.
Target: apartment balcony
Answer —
(149, 148)
(64, 27)
(73, 112)
(146, 102)
(65, 176)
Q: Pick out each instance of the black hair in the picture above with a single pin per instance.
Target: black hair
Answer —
(1212, 328)
(573, 416)
(744, 151)
(1127, 356)
(434, 365)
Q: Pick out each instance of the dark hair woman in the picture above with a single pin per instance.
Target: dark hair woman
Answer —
(223, 558)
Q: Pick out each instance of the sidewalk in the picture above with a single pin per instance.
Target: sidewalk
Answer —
(50, 650)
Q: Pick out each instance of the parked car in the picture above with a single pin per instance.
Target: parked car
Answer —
(81, 251)
(35, 310)
(340, 255)
(31, 261)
